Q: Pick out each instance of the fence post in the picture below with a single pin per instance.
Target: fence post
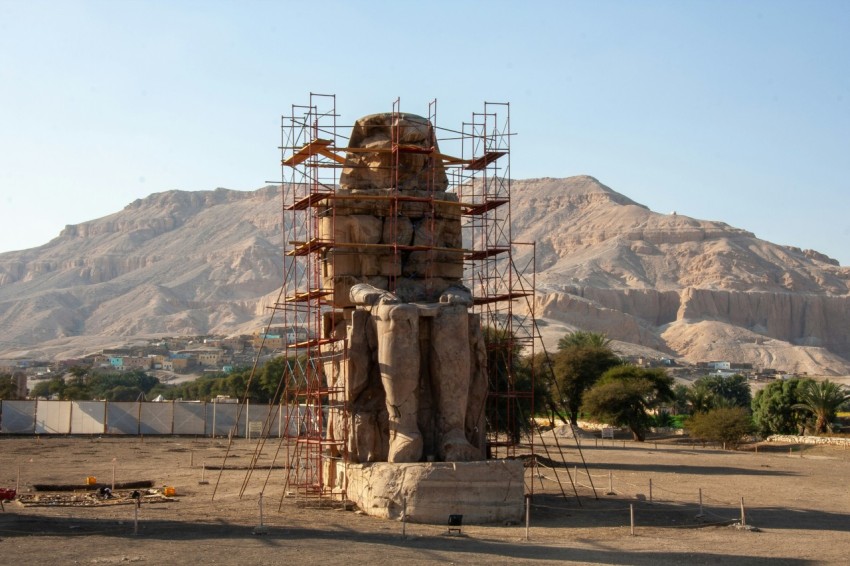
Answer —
(700, 504)
(632, 518)
(743, 514)
(527, 514)
(610, 483)
(650, 491)
(261, 510)
(404, 517)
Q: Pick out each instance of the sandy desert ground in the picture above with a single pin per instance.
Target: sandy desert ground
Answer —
(796, 509)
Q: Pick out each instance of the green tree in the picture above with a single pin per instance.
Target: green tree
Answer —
(822, 399)
(584, 338)
(78, 371)
(101, 385)
(727, 425)
(681, 403)
(41, 389)
(625, 394)
(775, 408)
(733, 391)
(509, 376)
(8, 387)
(581, 359)
(44, 389)
(123, 393)
(700, 398)
(546, 382)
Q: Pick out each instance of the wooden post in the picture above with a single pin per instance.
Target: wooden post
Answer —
(650, 490)
(113, 475)
(261, 510)
(18, 480)
(700, 504)
(632, 518)
(404, 517)
(743, 514)
(610, 483)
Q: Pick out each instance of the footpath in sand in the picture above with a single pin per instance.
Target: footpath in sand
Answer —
(797, 508)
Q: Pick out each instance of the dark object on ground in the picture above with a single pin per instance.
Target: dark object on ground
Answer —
(93, 487)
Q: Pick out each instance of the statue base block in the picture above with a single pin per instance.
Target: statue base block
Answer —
(489, 491)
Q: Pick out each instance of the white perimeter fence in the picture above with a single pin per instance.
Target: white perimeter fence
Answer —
(138, 418)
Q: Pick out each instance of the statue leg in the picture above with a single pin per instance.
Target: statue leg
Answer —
(361, 447)
(398, 359)
(450, 373)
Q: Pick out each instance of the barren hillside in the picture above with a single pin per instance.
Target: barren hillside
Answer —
(210, 261)
(695, 289)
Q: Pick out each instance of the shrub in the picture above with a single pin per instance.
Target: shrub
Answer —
(727, 425)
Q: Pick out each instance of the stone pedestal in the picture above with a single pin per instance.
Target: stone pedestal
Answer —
(490, 491)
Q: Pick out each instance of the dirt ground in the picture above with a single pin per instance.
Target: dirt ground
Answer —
(796, 509)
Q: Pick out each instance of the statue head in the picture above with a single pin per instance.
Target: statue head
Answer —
(378, 140)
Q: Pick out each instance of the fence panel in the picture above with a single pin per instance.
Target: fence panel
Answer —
(189, 418)
(53, 417)
(88, 417)
(221, 418)
(267, 417)
(17, 417)
(122, 417)
(157, 418)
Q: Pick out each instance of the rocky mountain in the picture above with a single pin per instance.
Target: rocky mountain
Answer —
(693, 289)
(173, 263)
(210, 262)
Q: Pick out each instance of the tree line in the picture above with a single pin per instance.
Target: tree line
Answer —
(582, 378)
(588, 378)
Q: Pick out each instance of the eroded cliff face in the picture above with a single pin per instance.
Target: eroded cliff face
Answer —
(211, 261)
(650, 279)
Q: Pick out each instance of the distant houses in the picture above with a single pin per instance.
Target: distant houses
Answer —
(277, 338)
(182, 354)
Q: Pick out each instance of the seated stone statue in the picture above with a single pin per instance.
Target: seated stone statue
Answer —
(415, 367)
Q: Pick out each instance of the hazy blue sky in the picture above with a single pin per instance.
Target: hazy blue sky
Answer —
(727, 110)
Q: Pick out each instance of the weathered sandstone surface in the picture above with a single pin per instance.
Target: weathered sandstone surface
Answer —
(210, 262)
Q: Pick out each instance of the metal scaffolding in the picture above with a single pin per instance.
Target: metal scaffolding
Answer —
(313, 152)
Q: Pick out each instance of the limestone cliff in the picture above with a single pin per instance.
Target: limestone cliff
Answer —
(608, 264)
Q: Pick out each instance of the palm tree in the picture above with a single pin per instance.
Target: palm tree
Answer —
(700, 398)
(581, 338)
(822, 399)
